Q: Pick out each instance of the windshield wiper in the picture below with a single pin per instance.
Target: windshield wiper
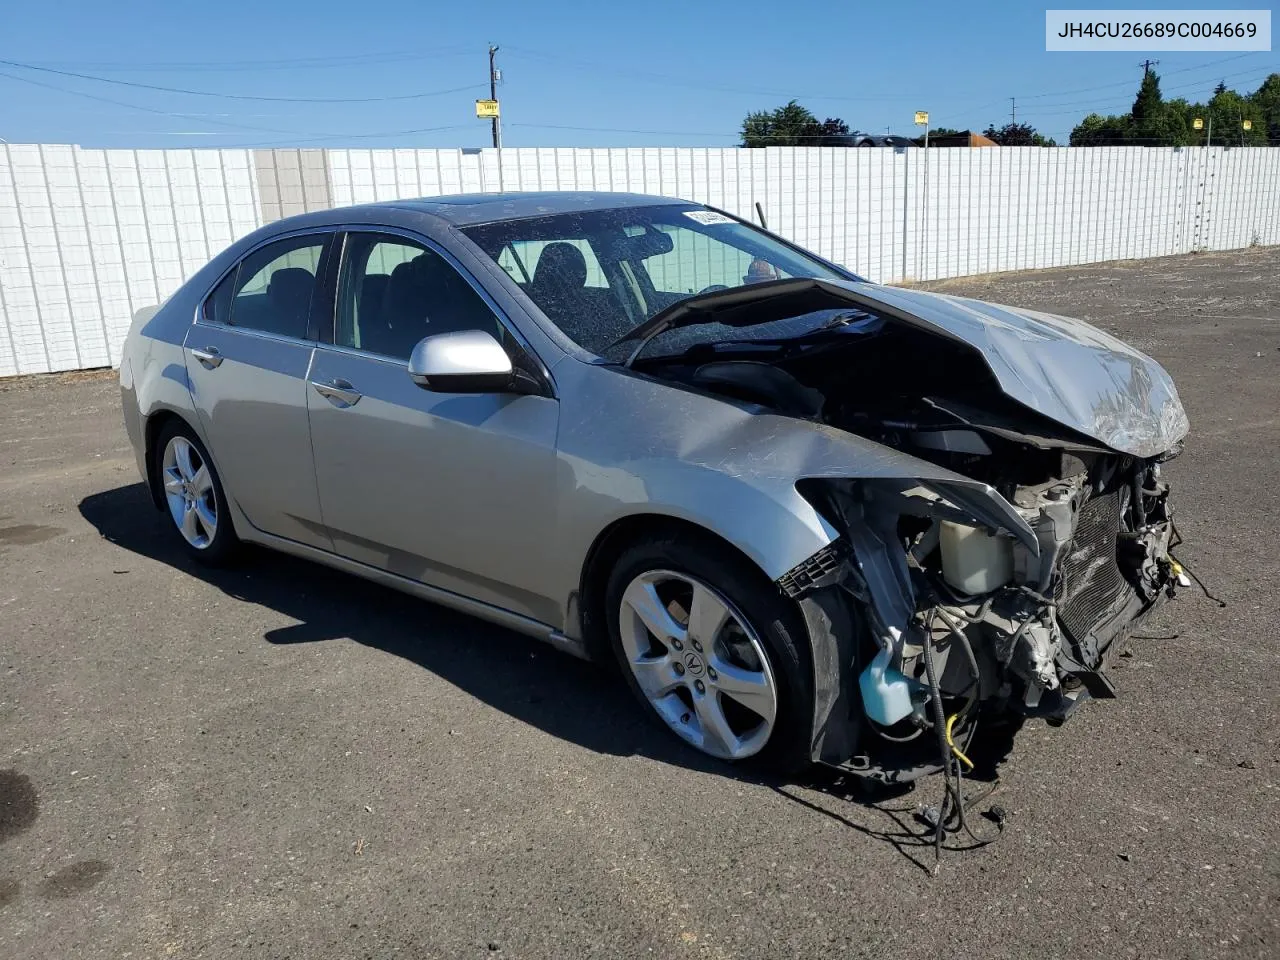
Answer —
(839, 320)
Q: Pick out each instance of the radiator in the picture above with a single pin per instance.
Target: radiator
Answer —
(1091, 586)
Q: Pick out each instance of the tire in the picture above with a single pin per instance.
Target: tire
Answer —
(190, 491)
(679, 686)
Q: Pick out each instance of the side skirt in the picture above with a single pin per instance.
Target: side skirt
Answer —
(446, 598)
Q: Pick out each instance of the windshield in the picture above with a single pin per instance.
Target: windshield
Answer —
(600, 273)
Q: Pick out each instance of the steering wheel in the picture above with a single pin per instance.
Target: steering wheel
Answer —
(712, 288)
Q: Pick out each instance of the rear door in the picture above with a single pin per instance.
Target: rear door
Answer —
(247, 358)
(452, 490)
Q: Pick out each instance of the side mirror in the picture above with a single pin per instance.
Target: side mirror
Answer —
(465, 361)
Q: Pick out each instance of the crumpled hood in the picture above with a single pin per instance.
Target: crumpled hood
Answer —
(1065, 369)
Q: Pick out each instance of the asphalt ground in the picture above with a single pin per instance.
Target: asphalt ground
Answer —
(283, 761)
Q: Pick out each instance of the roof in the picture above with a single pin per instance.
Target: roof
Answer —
(471, 208)
(459, 210)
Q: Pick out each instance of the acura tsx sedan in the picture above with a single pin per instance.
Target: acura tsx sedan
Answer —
(811, 518)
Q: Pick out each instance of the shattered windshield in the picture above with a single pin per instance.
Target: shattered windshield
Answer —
(600, 273)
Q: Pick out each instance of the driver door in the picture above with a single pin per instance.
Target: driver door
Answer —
(452, 490)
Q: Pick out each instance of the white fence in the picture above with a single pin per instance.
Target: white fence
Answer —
(89, 236)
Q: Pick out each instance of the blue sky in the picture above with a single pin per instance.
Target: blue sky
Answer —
(575, 74)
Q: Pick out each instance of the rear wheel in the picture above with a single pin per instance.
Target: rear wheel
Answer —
(193, 495)
(714, 650)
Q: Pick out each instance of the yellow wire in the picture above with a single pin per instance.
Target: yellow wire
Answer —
(951, 722)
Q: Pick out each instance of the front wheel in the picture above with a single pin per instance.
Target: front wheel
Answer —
(193, 495)
(714, 650)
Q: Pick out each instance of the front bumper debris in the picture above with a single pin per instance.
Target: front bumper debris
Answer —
(1097, 565)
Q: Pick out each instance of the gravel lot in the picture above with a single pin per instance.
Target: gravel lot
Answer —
(281, 761)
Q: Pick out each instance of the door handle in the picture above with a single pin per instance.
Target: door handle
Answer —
(338, 391)
(209, 356)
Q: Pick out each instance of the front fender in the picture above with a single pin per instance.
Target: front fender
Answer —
(632, 445)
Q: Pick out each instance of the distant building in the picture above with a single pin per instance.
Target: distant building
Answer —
(966, 138)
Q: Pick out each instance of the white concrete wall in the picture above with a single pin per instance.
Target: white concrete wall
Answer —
(89, 236)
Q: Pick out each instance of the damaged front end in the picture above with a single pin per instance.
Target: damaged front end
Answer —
(1005, 530)
(1009, 606)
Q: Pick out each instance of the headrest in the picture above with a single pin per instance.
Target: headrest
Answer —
(561, 263)
(760, 271)
(290, 286)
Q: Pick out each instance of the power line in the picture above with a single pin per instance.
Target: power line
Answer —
(306, 137)
(676, 81)
(136, 106)
(671, 133)
(348, 136)
(968, 108)
(674, 133)
(1126, 83)
(274, 63)
(1117, 101)
(241, 96)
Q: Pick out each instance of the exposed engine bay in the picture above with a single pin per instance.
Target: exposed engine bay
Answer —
(1002, 596)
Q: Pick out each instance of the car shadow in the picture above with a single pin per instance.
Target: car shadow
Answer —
(528, 680)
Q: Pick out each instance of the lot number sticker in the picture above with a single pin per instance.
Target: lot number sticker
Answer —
(708, 217)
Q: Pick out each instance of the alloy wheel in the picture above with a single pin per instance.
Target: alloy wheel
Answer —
(699, 663)
(188, 489)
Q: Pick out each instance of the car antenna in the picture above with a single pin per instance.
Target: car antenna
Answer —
(760, 214)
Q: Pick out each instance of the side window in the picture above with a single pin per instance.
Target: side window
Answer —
(217, 307)
(393, 292)
(274, 286)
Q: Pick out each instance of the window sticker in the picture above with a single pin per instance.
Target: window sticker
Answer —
(708, 217)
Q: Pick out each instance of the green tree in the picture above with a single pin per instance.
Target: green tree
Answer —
(1267, 99)
(1153, 123)
(1017, 135)
(831, 132)
(1181, 114)
(786, 126)
(791, 125)
(1148, 105)
(1157, 122)
(1229, 111)
(1096, 130)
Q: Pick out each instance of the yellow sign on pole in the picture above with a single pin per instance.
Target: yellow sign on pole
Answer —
(487, 109)
(1247, 124)
(922, 117)
(1197, 124)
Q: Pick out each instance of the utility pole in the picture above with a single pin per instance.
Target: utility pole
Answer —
(1013, 110)
(493, 95)
(1146, 66)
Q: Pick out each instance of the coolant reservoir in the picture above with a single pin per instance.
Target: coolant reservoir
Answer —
(973, 561)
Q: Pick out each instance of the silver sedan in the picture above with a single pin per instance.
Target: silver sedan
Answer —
(811, 518)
